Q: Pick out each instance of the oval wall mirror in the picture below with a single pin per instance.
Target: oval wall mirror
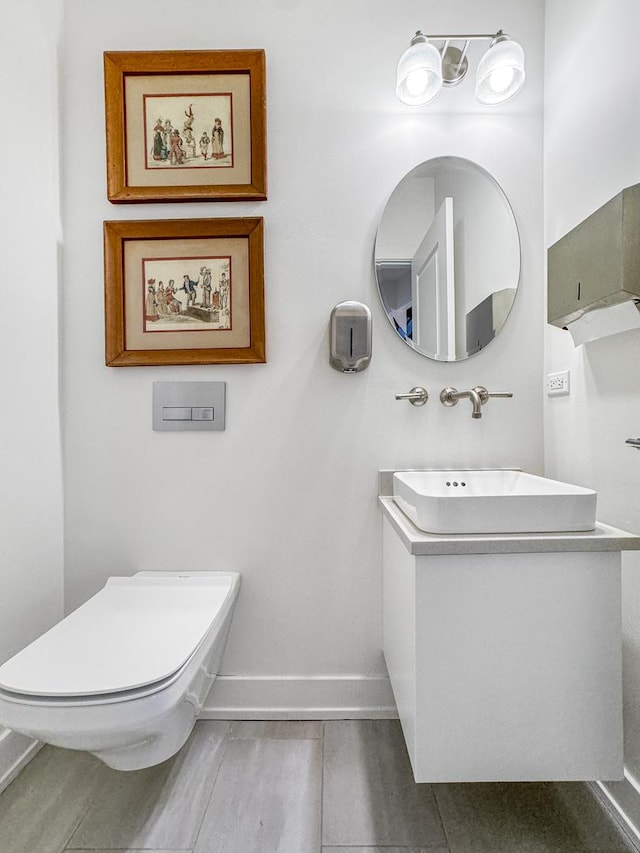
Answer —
(447, 258)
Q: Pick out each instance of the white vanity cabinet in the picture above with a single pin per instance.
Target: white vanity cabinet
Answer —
(504, 652)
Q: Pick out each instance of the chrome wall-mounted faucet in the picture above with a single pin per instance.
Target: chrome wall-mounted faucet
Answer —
(478, 396)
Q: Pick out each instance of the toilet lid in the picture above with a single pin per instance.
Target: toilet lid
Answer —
(134, 632)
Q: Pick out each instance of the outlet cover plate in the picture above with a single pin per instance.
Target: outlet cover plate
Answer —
(558, 384)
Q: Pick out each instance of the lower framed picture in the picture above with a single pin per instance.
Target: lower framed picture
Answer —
(184, 291)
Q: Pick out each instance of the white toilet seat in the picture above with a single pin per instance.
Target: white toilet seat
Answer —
(80, 700)
(131, 639)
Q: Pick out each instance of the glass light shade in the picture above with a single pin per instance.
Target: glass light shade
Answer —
(500, 73)
(419, 77)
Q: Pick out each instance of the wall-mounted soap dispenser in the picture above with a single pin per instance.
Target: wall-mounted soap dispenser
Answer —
(350, 337)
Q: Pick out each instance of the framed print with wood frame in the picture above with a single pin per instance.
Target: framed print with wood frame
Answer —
(184, 291)
(186, 125)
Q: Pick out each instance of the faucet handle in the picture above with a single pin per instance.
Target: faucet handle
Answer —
(484, 394)
(417, 396)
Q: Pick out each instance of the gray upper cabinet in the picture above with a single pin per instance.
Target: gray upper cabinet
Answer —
(598, 262)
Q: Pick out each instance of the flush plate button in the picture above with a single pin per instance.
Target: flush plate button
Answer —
(200, 413)
(176, 413)
(189, 406)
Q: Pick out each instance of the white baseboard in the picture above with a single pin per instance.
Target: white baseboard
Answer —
(330, 697)
(15, 752)
(622, 802)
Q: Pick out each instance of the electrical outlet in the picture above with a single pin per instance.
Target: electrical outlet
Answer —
(558, 384)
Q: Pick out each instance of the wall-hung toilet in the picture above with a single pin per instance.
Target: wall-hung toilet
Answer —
(125, 675)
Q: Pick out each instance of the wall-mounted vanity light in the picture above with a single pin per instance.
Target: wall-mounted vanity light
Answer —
(424, 68)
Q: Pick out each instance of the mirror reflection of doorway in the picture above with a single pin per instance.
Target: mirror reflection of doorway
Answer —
(433, 288)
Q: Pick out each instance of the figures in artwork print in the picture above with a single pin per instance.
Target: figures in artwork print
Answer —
(204, 145)
(193, 132)
(200, 300)
(217, 139)
(151, 304)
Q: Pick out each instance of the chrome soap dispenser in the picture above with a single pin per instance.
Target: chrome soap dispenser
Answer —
(350, 337)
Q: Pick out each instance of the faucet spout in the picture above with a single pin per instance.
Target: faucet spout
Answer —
(476, 402)
(450, 397)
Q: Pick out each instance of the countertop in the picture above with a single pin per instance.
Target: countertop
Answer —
(603, 538)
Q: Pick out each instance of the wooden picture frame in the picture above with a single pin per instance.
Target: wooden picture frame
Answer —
(185, 125)
(184, 291)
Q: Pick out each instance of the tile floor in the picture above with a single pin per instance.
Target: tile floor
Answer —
(289, 787)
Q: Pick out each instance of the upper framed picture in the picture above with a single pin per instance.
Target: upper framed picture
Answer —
(184, 291)
(186, 125)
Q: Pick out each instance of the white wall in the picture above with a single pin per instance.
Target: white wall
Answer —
(30, 451)
(287, 494)
(592, 127)
(30, 455)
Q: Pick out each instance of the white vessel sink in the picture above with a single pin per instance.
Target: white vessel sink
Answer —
(492, 502)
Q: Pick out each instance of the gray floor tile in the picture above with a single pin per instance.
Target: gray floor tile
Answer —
(525, 817)
(277, 729)
(159, 807)
(369, 795)
(266, 799)
(40, 810)
(384, 850)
